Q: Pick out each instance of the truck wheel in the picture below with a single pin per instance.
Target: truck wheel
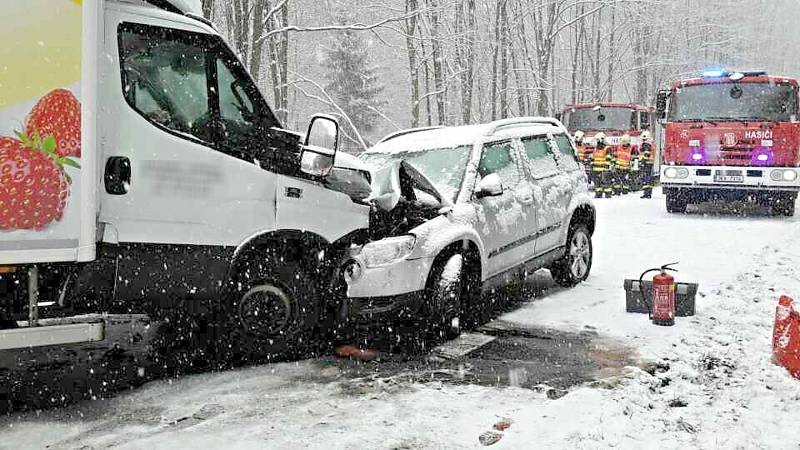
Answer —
(676, 204)
(272, 312)
(784, 205)
(574, 267)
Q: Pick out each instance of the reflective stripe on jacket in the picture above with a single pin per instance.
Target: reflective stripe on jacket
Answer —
(623, 156)
(602, 159)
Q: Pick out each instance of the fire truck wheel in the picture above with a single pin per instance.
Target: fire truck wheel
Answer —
(676, 203)
(784, 205)
(574, 267)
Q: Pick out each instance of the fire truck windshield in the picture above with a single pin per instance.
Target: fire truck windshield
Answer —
(735, 102)
(605, 119)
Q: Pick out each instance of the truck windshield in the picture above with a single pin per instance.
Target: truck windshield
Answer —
(444, 167)
(605, 118)
(734, 101)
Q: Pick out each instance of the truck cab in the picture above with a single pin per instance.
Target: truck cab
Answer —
(731, 136)
(196, 199)
(613, 119)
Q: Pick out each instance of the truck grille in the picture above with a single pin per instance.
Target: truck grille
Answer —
(736, 153)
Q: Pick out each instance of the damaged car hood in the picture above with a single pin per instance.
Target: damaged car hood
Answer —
(404, 199)
(400, 180)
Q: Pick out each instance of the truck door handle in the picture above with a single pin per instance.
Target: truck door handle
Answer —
(118, 175)
(526, 200)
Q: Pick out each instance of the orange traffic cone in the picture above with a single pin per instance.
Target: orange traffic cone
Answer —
(786, 336)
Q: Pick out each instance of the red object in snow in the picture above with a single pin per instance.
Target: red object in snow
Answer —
(353, 352)
(786, 336)
(664, 298)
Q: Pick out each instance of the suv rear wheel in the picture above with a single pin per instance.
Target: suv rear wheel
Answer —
(575, 265)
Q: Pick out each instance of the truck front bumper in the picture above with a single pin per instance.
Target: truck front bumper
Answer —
(781, 179)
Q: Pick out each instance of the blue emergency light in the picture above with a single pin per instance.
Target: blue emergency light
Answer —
(715, 73)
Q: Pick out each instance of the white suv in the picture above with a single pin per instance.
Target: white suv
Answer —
(461, 209)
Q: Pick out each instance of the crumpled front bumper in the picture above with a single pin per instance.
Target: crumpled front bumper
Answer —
(400, 277)
(390, 289)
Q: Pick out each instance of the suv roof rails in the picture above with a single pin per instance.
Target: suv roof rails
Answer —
(496, 126)
(397, 134)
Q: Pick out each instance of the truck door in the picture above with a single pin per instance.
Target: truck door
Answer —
(179, 116)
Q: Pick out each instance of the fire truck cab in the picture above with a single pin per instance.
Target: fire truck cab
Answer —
(731, 136)
(613, 119)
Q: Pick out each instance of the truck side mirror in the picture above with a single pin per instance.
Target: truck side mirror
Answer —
(661, 103)
(559, 117)
(321, 144)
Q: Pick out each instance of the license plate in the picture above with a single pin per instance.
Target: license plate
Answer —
(729, 176)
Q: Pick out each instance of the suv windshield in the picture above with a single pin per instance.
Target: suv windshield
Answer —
(444, 166)
(604, 118)
(734, 101)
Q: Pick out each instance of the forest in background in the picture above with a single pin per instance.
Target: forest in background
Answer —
(384, 65)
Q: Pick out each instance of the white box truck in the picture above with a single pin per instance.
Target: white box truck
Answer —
(143, 173)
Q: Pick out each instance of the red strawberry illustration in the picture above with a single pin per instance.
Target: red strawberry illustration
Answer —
(33, 185)
(57, 114)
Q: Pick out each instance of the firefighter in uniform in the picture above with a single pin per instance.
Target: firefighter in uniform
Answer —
(583, 153)
(623, 155)
(647, 156)
(602, 167)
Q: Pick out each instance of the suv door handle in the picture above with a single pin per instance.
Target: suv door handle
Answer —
(526, 200)
(118, 175)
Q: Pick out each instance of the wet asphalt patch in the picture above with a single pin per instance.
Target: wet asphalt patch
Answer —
(513, 355)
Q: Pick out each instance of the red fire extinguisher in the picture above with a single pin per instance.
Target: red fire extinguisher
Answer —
(662, 300)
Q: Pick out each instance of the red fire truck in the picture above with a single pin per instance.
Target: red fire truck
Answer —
(613, 119)
(731, 136)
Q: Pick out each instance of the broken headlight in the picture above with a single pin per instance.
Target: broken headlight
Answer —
(387, 251)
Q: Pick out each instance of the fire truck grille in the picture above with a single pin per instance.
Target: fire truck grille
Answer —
(736, 153)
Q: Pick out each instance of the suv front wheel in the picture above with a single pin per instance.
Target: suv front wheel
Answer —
(575, 265)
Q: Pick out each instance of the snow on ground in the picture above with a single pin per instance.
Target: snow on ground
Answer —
(720, 391)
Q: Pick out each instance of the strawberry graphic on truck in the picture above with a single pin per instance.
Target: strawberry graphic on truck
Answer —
(34, 186)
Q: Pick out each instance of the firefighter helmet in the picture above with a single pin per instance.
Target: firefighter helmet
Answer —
(579, 136)
(646, 137)
(600, 138)
(625, 139)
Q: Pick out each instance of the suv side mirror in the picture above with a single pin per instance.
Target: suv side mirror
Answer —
(489, 186)
(321, 144)
(661, 103)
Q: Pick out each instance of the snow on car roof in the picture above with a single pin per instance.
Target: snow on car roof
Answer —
(427, 139)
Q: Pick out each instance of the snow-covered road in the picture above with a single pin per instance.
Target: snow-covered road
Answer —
(716, 387)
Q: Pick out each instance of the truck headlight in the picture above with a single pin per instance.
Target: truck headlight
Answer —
(784, 175)
(387, 251)
(675, 172)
